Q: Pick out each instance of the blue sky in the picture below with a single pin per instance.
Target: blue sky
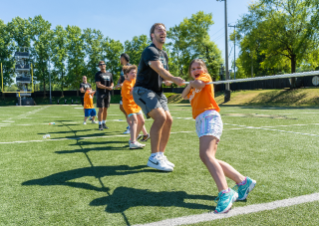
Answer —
(122, 20)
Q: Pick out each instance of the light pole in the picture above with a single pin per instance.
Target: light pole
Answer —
(227, 86)
(234, 26)
(50, 81)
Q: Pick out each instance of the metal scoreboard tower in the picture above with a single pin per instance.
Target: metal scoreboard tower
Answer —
(24, 77)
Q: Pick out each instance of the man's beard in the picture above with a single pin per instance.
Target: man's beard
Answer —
(158, 39)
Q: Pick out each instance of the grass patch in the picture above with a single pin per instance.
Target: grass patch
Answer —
(99, 181)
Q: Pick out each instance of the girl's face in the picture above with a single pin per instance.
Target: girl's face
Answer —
(197, 69)
(131, 75)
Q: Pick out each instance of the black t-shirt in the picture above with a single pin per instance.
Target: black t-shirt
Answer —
(105, 79)
(122, 77)
(84, 86)
(146, 76)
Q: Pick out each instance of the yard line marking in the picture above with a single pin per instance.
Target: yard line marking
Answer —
(193, 219)
(292, 125)
(276, 130)
(77, 138)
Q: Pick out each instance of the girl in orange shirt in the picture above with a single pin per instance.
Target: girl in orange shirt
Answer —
(133, 111)
(209, 128)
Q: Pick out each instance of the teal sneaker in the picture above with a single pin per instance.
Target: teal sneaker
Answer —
(244, 189)
(225, 201)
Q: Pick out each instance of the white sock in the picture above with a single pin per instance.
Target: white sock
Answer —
(160, 153)
(100, 122)
(153, 155)
(103, 121)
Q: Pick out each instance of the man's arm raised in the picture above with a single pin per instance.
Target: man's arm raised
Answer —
(158, 67)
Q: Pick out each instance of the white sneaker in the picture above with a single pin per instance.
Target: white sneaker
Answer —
(84, 123)
(168, 162)
(159, 163)
(143, 145)
(94, 122)
(136, 145)
(127, 131)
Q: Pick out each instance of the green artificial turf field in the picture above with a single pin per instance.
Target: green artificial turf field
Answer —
(83, 176)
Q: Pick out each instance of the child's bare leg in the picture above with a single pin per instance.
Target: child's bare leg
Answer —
(85, 118)
(230, 172)
(207, 153)
(144, 130)
(93, 118)
(133, 127)
(140, 125)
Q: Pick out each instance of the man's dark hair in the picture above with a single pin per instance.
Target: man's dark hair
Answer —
(126, 57)
(153, 29)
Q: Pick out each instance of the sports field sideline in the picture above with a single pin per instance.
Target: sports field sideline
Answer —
(83, 176)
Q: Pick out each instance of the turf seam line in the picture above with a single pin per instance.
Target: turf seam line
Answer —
(77, 138)
(193, 219)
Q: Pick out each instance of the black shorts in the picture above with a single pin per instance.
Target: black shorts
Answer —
(82, 101)
(103, 101)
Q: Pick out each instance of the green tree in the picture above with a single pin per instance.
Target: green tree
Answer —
(59, 55)
(112, 51)
(7, 49)
(20, 31)
(42, 37)
(94, 52)
(191, 40)
(76, 54)
(283, 29)
(135, 48)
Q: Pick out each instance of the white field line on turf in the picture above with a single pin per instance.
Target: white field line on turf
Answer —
(193, 219)
(276, 130)
(78, 138)
(24, 115)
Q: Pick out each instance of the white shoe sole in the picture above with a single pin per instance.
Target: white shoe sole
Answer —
(250, 188)
(155, 166)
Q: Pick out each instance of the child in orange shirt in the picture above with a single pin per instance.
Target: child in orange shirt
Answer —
(133, 111)
(209, 128)
(89, 109)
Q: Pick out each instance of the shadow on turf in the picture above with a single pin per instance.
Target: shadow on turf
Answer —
(124, 198)
(76, 131)
(64, 178)
(84, 135)
(85, 150)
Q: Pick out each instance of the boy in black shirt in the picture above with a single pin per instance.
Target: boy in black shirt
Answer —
(104, 84)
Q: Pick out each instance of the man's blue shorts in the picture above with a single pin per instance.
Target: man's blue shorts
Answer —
(90, 112)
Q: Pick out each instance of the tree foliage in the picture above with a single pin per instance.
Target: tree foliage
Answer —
(278, 36)
(191, 40)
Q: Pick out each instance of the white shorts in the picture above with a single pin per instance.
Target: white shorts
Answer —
(138, 113)
(209, 123)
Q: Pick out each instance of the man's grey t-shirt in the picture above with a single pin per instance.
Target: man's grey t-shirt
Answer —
(146, 76)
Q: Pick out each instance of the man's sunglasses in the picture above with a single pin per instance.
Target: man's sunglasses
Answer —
(101, 64)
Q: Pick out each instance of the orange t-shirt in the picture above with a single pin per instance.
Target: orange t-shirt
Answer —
(88, 100)
(202, 100)
(129, 104)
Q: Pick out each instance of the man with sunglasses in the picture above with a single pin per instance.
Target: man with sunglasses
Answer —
(104, 85)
